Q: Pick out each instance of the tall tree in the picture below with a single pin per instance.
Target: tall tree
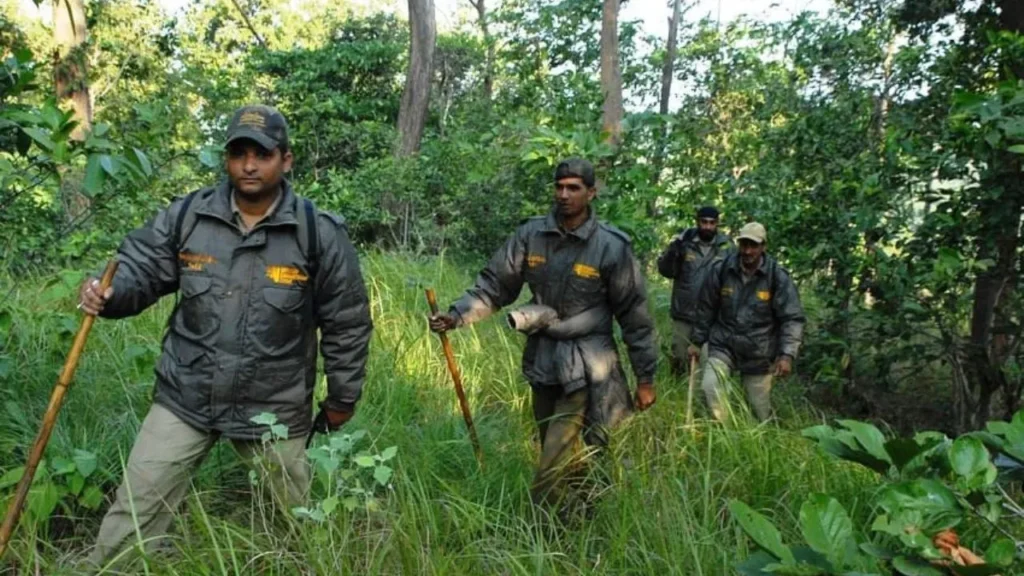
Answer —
(412, 115)
(668, 67)
(611, 74)
(481, 12)
(69, 61)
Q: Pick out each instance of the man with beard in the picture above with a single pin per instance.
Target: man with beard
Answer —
(259, 270)
(686, 262)
(750, 316)
(582, 274)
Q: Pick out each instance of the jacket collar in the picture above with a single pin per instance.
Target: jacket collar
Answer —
(218, 204)
(583, 232)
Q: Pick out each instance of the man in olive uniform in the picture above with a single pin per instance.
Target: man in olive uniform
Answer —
(584, 270)
(750, 316)
(259, 270)
(686, 262)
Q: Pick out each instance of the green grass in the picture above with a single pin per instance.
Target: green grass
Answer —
(664, 514)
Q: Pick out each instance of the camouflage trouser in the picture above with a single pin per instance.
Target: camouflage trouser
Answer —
(560, 419)
(157, 476)
(680, 361)
(716, 388)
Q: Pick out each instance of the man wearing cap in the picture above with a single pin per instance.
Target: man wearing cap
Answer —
(582, 272)
(750, 316)
(259, 270)
(686, 262)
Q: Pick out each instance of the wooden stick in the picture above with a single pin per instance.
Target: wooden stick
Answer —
(453, 368)
(50, 417)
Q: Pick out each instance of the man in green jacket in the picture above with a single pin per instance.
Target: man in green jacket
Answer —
(582, 272)
(751, 317)
(686, 262)
(259, 270)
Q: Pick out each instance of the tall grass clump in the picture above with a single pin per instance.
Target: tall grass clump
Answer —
(664, 512)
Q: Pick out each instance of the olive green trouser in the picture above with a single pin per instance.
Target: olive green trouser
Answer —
(680, 361)
(716, 388)
(156, 479)
(560, 419)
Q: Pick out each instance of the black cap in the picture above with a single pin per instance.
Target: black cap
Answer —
(260, 123)
(708, 212)
(576, 168)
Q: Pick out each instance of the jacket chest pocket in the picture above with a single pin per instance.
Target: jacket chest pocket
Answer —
(278, 319)
(584, 287)
(197, 315)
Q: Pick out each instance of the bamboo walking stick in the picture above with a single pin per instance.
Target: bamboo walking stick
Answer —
(689, 395)
(50, 417)
(453, 368)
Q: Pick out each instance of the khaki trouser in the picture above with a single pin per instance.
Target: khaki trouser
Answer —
(560, 419)
(716, 388)
(157, 476)
(681, 332)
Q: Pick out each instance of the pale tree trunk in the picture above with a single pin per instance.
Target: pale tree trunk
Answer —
(481, 12)
(71, 81)
(667, 74)
(611, 75)
(412, 115)
(69, 61)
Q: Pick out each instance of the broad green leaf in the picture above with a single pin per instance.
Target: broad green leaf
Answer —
(761, 530)
(330, 504)
(143, 161)
(382, 474)
(75, 484)
(1016, 149)
(40, 137)
(350, 503)
(94, 176)
(42, 500)
(85, 461)
(364, 461)
(981, 570)
(876, 551)
(280, 431)
(869, 437)
(92, 498)
(388, 453)
(109, 164)
(265, 418)
(754, 564)
(909, 567)
(12, 477)
(209, 157)
(968, 456)
(61, 466)
(827, 528)
(793, 569)
(1001, 552)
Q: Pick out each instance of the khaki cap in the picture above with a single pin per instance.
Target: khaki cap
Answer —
(754, 232)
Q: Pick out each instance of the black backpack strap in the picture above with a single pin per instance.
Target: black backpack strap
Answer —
(179, 224)
(312, 248)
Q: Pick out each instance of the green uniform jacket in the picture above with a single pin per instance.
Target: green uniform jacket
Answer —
(590, 270)
(242, 339)
(684, 264)
(750, 324)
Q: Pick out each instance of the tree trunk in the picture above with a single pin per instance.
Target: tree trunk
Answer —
(481, 13)
(69, 61)
(668, 68)
(412, 115)
(611, 75)
(71, 81)
(667, 74)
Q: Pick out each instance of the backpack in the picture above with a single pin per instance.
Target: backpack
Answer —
(310, 247)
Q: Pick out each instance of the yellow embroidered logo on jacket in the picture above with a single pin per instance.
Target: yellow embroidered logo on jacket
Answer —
(764, 295)
(534, 260)
(286, 275)
(690, 256)
(195, 262)
(584, 271)
(726, 291)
